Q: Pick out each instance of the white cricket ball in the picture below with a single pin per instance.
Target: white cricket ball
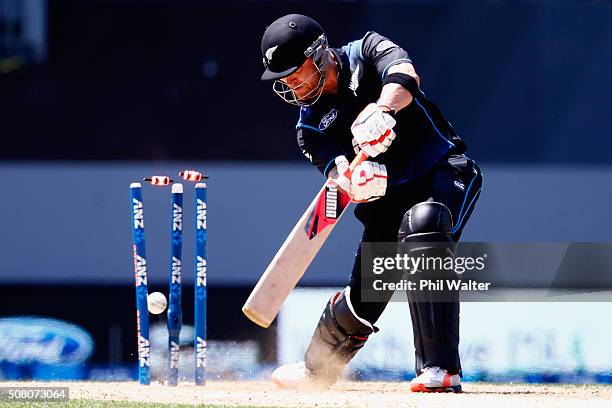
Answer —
(156, 302)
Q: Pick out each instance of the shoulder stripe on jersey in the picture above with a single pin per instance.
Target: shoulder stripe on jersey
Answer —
(394, 62)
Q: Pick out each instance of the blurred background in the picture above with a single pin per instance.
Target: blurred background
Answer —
(95, 94)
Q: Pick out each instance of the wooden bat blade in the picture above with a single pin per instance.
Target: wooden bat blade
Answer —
(295, 255)
(298, 251)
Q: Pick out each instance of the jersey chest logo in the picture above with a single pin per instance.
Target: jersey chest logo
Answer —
(354, 84)
(328, 119)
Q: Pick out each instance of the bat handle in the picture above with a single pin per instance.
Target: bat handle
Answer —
(360, 158)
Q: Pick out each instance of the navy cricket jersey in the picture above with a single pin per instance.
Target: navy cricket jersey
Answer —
(424, 136)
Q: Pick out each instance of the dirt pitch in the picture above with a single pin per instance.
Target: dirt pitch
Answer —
(344, 394)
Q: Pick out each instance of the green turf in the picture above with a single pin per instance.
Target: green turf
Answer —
(82, 403)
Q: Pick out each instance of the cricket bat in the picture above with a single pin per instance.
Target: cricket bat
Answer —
(298, 251)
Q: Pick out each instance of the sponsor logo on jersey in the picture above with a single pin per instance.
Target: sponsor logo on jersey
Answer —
(459, 185)
(385, 45)
(328, 119)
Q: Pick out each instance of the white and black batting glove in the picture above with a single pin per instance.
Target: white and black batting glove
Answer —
(373, 130)
(341, 175)
(368, 182)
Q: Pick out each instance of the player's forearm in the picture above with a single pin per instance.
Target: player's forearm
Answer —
(395, 96)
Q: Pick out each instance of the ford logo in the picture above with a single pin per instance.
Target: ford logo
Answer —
(328, 119)
(27, 340)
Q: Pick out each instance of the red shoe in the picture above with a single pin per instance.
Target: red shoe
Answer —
(435, 379)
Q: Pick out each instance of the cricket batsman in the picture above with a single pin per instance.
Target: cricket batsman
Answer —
(416, 186)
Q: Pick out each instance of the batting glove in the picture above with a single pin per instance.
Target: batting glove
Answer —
(373, 130)
(368, 182)
(341, 175)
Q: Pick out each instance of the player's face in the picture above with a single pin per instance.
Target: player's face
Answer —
(304, 81)
(304, 86)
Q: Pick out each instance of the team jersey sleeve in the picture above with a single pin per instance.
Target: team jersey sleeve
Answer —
(317, 148)
(314, 142)
(382, 52)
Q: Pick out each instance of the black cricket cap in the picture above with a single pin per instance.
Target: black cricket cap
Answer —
(284, 43)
